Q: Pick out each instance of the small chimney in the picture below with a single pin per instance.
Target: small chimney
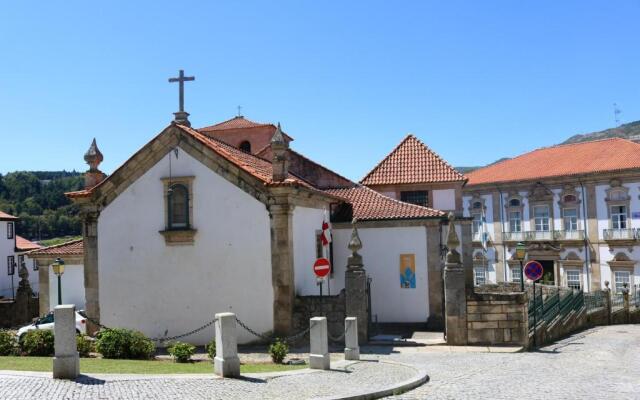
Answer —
(93, 157)
(280, 149)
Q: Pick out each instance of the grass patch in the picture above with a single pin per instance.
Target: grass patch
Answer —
(105, 366)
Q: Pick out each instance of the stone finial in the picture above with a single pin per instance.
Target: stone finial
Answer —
(93, 156)
(355, 260)
(453, 257)
(280, 150)
(23, 273)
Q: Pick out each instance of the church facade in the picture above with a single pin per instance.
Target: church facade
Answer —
(227, 218)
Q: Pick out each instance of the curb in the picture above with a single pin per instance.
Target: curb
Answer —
(421, 378)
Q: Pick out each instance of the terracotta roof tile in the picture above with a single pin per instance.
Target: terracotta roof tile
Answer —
(370, 205)
(23, 244)
(71, 248)
(598, 156)
(412, 162)
(234, 123)
(5, 217)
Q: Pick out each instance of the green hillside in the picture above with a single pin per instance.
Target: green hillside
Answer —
(626, 131)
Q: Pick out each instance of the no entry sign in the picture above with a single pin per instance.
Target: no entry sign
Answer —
(321, 267)
(533, 270)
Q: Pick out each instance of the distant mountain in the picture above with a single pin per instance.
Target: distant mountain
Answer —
(628, 131)
(466, 170)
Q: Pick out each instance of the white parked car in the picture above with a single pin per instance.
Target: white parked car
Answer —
(47, 323)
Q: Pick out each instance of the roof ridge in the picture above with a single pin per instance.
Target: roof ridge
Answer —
(258, 124)
(409, 135)
(438, 156)
(55, 246)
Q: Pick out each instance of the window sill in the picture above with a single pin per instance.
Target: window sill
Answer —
(179, 237)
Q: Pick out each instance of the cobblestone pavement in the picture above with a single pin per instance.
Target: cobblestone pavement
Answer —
(353, 379)
(600, 363)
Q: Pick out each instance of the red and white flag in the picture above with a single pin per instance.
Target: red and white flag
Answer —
(326, 231)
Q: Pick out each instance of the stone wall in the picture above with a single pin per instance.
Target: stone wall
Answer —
(332, 307)
(497, 319)
(19, 312)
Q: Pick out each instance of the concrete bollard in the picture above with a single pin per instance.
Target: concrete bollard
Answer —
(66, 363)
(351, 348)
(226, 362)
(319, 352)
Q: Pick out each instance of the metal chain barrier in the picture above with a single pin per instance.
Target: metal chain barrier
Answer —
(161, 339)
(290, 339)
(336, 339)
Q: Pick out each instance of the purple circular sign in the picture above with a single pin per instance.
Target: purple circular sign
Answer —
(533, 270)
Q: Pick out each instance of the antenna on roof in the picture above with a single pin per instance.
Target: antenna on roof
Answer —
(239, 111)
(616, 113)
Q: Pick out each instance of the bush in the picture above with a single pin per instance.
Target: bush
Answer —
(38, 342)
(124, 344)
(211, 348)
(278, 350)
(182, 352)
(7, 343)
(85, 345)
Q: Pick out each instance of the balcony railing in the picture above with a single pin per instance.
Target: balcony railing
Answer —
(514, 236)
(620, 234)
(544, 235)
(570, 235)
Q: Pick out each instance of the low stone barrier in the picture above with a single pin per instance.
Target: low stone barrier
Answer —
(497, 319)
(66, 363)
(319, 348)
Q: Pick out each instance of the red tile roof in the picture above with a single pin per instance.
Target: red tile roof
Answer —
(412, 162)
(598, 156)
(6, 217)
(71, 248)
(234, 123)
(371, 205)
(23, 244)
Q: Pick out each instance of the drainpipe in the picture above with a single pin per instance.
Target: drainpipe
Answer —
(587, 254)
(504, 247)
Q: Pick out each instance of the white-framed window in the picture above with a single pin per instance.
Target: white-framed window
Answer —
(515, 274)
(11, 265)
(10, 230)
(477, 223)
(541, 218)
(35, 265)
(570, 216)
(619, 217)
(619, 279)
(515, 221)
(573, 279)
(479, 276)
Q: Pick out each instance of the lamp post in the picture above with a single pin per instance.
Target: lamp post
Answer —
(521, 250)
(58, 269)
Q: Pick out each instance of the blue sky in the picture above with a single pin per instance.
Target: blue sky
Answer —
(475, 80)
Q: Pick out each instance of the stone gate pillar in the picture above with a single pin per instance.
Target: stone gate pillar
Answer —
(91, 281)
(282, 266)
(454, 291)
(355, 284)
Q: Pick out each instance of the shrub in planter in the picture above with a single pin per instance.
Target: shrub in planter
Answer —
(85, 345)
(7, 343)
(278, 351)
(211, 348)
(124, 344)
(38, 342)
(182, 352)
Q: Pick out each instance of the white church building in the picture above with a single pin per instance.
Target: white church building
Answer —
(228, 218)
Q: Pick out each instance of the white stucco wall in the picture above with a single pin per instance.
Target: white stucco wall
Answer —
(155, 288)
(7, 248)
(602, 211)
(444, 199)
(306, 222)
(72, 287)
(605, 270)
(381, 254)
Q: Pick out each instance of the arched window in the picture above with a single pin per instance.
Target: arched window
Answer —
(570, 198)
(245, 146)
(477, 205)
(514, 203)
(178, 207)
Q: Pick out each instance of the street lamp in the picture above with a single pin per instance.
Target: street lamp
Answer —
(58, 269)
(521, 250)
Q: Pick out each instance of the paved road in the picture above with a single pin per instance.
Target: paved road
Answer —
(601, 363)
(348, 380)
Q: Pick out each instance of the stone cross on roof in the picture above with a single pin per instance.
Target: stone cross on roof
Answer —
(182, 117)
